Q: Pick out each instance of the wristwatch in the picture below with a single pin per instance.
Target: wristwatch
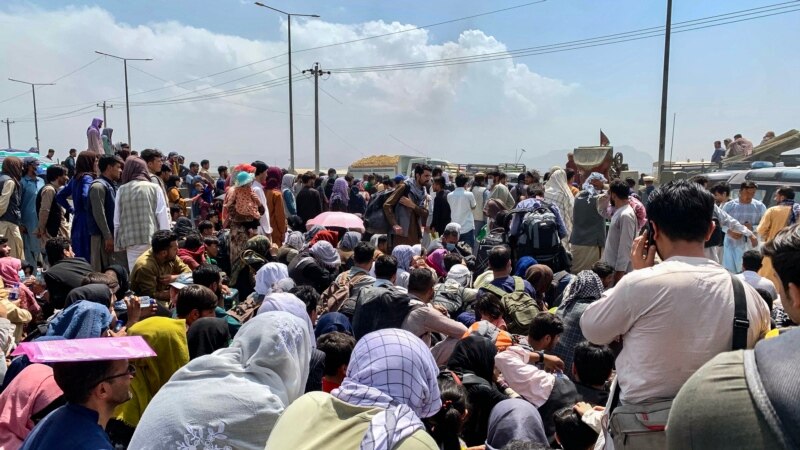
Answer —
(541, 356)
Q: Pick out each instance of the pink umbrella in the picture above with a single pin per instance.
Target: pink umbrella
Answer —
(337, 219)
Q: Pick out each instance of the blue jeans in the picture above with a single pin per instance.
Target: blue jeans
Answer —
(468, 238)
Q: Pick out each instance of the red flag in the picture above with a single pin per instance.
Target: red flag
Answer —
(603, 139)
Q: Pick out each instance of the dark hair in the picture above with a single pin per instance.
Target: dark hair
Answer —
(751, 260)
(150, 154)
(682, 210)
(737, 136)
(195, 296)
(545, 324)
(193, 164)
(536, 190)
(445, 426)
(748, 185)
(786, 191)
(193, 241)
(308, 295)
(630, 182)
(461, 180)
(162, 239)
(165, 168)
(204, 162)
(421, 168)
(260, 166)
(620, 189)
(54, 172)
(488, 304)
(206, 275)
(385, 267)
(97, 278)
(499, 256)
(721, 188)
(784, 249)
(593, 363)
(172, 181)
(331, 171)
(450, 232)
(451, 259)
(501, 176)
(55, 247)
(572, 432)
(205, 225)
(439, 181)
(337, 347)
(107, 161)
(602, 269)
(306, 177)
(382, 239)
(174, 209)
(363, 252)
(77, 379)
(72, 150)
(420, 280)
(222, 169)
(210, 240)
(571, 174)
(767, 297)
(702, 180)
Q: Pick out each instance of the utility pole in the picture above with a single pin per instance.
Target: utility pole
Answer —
(317, 73)
(662, 137)
(8, 123)
(35, 117)
(127, 106)
(291, 106)
(105, 122)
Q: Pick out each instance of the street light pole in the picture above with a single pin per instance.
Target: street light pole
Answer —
(662, 136)
(291, 103)
(127, 105)
(35, 116)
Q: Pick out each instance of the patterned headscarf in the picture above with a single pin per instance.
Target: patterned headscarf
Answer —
(587, 185)
(268, 275)
(586, 285)
(255, 255)
(340, 191)
(461, 274)
(295, 240)
(284, 301)
(403, 254)
(349, 241)
(394, 370)
(313, 232)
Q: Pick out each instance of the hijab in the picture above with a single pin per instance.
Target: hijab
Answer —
(474, 354)
(417, 249)
(81, 320)
(514, 419)
(295, 240)
(19, 363)
(254, 255)
(122, 278)
(232, 397)
(287, 181)
(274, 176)
(375, 238)
(540, 277)
(340, 192)
(97, 293)
(586, 285)
(325, 235)
(134, 169)
(30, 393)
(436, 261)
(12, 166)
(460, 274)
(587, 185)
(522, 266)
(403, 254)
(207, 335)
(284, 301)
(332, 321)
(268, 275)
(313, 232)
(167, 337)
(324, 253)
(557, 190)
(394, 370)
(349, 241)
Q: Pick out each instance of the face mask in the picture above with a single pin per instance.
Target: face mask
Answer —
(450, 247)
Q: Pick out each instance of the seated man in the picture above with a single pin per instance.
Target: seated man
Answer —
(354, 280)
(92, 390)
(210, 276)
(212, 250)
(572, 433)
(591, 368)
(193, 252)
(65, 272)
(489, 322)
(500, 264)
(206, 228)
(159, 266)
(337, 347)
(194, 302)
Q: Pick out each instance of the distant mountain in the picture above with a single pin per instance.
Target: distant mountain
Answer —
(636, 160)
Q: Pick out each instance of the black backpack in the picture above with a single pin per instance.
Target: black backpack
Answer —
(538, 232)
(495, 237)
(374, 218)
(379, 308)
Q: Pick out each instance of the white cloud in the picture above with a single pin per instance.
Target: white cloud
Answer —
(436, 109)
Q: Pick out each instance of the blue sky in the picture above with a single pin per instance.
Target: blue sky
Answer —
(724, 80)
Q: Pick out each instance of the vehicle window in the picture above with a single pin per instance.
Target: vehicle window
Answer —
(790, 175)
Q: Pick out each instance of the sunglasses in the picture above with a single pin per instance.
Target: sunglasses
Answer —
(130, 371)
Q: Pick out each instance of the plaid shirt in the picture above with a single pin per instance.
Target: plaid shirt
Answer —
(572, 335)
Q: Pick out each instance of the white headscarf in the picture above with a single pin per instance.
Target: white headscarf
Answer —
(461, 274)
(556, 190)
(284, 301)
(232, 397)
(324, 253)
(395, 370)
(268, 276)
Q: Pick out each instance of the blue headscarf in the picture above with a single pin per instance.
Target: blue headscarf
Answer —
(587, 185)
(332, 321)
(523, 264)
(81, 320)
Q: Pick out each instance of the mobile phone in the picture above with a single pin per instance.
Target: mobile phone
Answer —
(145, 301)
(650, 238)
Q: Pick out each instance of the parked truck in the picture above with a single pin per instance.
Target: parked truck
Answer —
(391, 165)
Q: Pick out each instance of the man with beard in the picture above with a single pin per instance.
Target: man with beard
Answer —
(11, 204)
(406, 208)
(102, 193)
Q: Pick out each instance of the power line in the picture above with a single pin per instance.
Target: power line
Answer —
(57, 79)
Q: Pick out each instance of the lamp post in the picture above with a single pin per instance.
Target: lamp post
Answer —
(127, 107)
(291, 106)
(35, 117)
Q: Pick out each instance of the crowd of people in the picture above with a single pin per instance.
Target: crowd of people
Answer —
(564, 311)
